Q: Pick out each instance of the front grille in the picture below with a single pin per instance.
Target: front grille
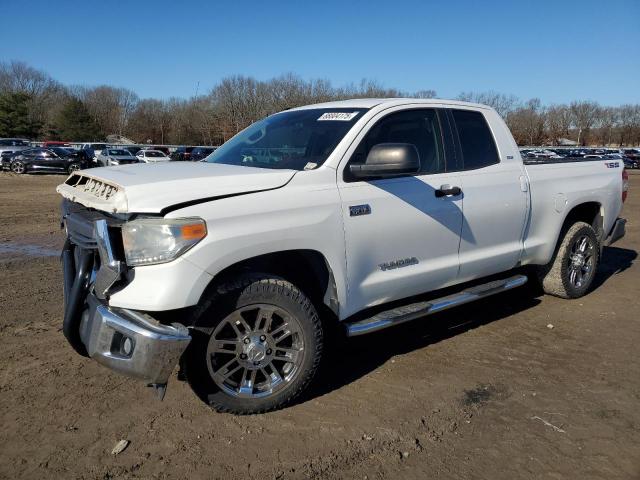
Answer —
(98, 188)
(79, 224)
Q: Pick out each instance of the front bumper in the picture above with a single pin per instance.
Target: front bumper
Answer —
(132, 343)
(617, 232)
(128, 341)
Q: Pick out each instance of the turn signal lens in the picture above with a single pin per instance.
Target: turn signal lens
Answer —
(194, 231)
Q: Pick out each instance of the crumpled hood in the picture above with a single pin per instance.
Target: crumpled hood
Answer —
(153, 188)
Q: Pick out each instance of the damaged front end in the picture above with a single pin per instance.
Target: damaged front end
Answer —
(127, 341)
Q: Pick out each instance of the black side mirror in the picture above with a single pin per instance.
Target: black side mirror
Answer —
(388, 160)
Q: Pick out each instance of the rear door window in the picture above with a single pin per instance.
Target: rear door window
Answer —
(476, 141)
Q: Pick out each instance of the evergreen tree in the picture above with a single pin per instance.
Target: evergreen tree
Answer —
(15, 120)
(74, 123)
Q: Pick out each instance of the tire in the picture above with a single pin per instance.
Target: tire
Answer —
(18, 167)
(574, 265)
(73, 167)
(236, 362)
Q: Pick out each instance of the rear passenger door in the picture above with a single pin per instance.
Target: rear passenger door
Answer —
(495, 197)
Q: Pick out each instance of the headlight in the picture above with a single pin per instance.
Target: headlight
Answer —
(149, 241)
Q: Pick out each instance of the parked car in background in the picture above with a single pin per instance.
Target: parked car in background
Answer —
(115, 156)
(152, 156)
(92, 150)
(182, 154)
(11, 145)
(631, 162)
(53, 143)
(54, 159)
(632, 154)
(132, 149)
(160, 148)
(200, 153)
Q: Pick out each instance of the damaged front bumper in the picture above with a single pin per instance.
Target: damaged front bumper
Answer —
(127, 341)
(132, 343)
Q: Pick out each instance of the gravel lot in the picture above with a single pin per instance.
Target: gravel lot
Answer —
(484, 391)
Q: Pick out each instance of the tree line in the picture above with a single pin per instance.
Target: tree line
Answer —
(36, 106)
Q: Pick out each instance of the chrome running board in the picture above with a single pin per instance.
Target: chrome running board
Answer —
(406, 313)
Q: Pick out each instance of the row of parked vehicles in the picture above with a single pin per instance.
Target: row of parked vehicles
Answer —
(21, 156)
(630, 156)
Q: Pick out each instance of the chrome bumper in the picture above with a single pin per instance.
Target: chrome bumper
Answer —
(132, 343)
(617, 232)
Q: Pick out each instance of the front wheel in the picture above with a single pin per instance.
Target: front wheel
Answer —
(18, 167)
(73, 167)
(574, 266)
(256, 345)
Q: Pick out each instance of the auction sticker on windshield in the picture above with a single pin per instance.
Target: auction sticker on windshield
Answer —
(342, 116)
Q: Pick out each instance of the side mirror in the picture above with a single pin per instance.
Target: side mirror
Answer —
(387, 160)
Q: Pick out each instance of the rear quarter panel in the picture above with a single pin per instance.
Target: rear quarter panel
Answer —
(558, 188)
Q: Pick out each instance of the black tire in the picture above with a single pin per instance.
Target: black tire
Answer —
(560, 277)
(244, 296)
(18, 167)
(73, 168)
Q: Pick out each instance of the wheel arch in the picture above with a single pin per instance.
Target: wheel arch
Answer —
(588, 212)
(308, 269)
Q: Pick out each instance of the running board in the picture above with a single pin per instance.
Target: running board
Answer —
(406, 313)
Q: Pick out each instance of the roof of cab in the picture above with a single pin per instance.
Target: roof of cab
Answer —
(373, 102)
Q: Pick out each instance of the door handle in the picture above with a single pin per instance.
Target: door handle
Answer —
(447, 191)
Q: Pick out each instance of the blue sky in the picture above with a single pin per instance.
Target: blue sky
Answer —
(555, 50)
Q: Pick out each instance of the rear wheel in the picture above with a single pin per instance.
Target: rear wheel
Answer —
(574, 266)
(18, 167)
(256, 346)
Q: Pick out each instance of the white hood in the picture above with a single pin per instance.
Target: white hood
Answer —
(150, 188)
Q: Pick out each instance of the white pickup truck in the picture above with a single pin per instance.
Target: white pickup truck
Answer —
(362, 213)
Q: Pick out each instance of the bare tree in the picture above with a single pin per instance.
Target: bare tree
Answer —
(584, 116)
(503, 104)
(527, 123)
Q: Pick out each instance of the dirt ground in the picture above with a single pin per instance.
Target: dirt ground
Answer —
(484, 391)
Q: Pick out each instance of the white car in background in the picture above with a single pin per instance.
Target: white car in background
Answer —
(152, 156)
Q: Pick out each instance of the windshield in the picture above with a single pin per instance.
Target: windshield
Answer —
(118, 153)
(297, 140)
(61, 151)
(154, 153)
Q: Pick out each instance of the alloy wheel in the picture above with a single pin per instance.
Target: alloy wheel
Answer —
(255, 351)
(581, 261)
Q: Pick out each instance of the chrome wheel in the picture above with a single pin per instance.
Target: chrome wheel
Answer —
(581, 261)
(73, 167)
(17, 167)
(255, 351)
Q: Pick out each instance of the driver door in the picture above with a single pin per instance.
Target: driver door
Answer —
(402, 236)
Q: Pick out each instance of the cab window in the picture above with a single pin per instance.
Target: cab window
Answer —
(420, 127)
(476, 141)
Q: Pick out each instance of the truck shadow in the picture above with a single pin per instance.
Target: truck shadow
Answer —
(615, 260)
(354, 358)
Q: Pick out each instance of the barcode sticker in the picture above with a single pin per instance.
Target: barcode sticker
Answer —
(340, 116)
